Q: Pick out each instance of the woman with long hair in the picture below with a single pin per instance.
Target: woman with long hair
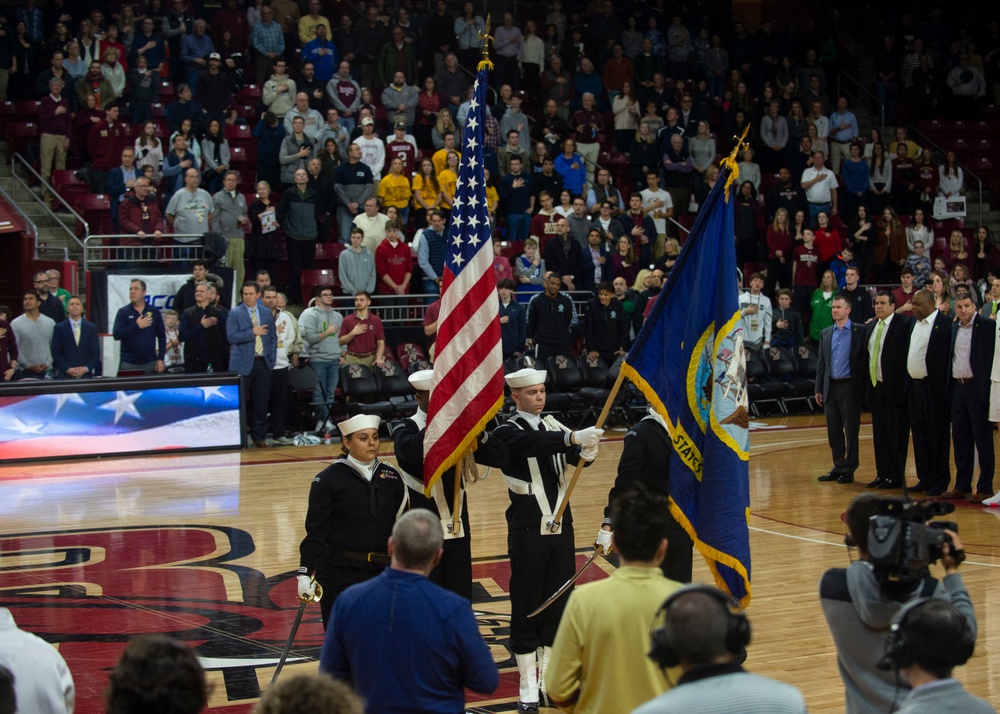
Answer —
(863, 238)
(821, 305)
(444, 124)
(149, 150)
(800, 222)
(90, 44)
(216, 155)
(780, 245)
(449, 183)
(880, 178)
(24, 55)
(565, 207)
(829, 242)
(951, 178)
(186, 130)
(961, 279)
(60, 37)
(263, 248)
(890, 248)
(623, 260)
(940, 285)
(702, 150)
(330, 158)
(429, 102)
(643, 155)
(918, 230)
(539, 151)
(749, 169)
(874, 137)
(958, 251)
(426, 191)
(626, 111)
(985, 257)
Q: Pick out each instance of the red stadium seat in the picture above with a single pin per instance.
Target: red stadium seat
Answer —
(249, 94)
(328, 253)
(20, 134)
(68, 186)
(28, 109)
(313, 278)
(168, 92)
(239, 135)
(92, 208)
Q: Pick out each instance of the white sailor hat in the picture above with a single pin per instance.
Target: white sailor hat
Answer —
(527, 377)
(422, 379)
(357, 423)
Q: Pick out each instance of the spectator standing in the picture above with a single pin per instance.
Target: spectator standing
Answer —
(320, 326)
(296, 215)
(362, 337)
(356, 266)
(140, 330)
(30, 342)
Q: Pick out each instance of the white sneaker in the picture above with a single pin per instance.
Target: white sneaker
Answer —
(993, 501)
(284, 441)
(319, 425)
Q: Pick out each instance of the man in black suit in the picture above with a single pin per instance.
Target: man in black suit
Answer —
(887, 340)
(76, 351)
(840, 387)
(203, 332)
(927, 362)
(972, 347)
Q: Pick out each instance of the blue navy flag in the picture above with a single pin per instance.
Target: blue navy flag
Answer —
(689, 361)
(468, 360)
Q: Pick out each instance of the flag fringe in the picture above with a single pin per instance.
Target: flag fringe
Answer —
(463, 447)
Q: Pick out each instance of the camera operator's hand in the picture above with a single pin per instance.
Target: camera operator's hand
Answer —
(952, 553)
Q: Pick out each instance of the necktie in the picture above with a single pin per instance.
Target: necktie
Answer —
(258, 343)
(873, 367)
(993, 310)
(76, 332)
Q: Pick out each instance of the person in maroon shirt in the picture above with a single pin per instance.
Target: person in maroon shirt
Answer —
(904, 293)
(8, 349)
(105, 143)
(139, 215)
(361, 334)
(55, 122)
(805, 274)
(393, 265)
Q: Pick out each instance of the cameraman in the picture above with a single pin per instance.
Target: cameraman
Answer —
(859, 609)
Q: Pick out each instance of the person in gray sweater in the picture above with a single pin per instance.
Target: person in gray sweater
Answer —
(229, 218)
(356, 266)
(400, 99)
(859, 609)
(296, 150)
(320, 326)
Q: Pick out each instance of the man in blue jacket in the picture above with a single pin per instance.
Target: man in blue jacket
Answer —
(253, 344)
(139, 328)
(415, 658)
(76, 351)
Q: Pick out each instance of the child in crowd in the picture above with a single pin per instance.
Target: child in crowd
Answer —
(787, 330)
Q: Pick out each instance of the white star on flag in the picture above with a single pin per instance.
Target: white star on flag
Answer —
(209, 392)
(21, 428)
(123, 404)
(459, 260)
(69, 398)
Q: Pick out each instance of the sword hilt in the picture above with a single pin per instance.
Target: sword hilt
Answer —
(315, 597)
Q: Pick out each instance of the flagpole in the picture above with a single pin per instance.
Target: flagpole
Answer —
(456, 502)
(579, 464)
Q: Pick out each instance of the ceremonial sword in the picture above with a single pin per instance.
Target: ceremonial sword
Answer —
(598, 550)
(303, 601)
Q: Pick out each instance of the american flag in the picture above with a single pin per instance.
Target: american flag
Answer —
(468, 365)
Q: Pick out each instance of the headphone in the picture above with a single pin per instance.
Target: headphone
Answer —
(662, 649)
(905, 645)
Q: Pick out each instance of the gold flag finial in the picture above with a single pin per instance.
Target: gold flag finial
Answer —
(730, 161)
(486, 38)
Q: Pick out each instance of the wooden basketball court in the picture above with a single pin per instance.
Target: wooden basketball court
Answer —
(204, 548)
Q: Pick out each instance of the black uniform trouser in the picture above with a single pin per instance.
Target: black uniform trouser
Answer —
(258, 387)
(971, 427)
(336, 580)
(890, 435)
(678, 562)
(539, 565)
(843, 420)
(454, 572)
(929, 424)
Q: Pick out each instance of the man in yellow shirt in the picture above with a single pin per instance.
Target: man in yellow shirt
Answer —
(598, 661)
(309, 23)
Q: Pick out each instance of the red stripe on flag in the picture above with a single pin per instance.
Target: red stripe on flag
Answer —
(452, 438)
(482, 290)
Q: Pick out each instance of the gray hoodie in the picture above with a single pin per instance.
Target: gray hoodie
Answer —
(859, 616)
(312, 322)
(356, 271)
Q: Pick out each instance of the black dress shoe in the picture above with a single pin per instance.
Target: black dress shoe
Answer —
(831, 476)
(875, 483)
(886, 485)
(845, 478)
(527, 708)
(920, 487)
(933, 491)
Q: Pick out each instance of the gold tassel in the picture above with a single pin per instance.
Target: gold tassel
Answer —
(487, 38)
(469, 470)
(730, 161)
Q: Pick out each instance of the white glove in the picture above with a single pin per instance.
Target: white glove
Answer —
(307, 586)
(588, 437)
(589, 453)
(603, 541)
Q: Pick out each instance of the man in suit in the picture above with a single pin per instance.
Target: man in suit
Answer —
(203, 332)
(253, 350)
(927, 361)
(972, 348)
(887, 340)
(76, 351)
(840, 388)
(991, 306)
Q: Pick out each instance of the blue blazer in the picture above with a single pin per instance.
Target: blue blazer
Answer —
(239, 331)
(66, 353)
